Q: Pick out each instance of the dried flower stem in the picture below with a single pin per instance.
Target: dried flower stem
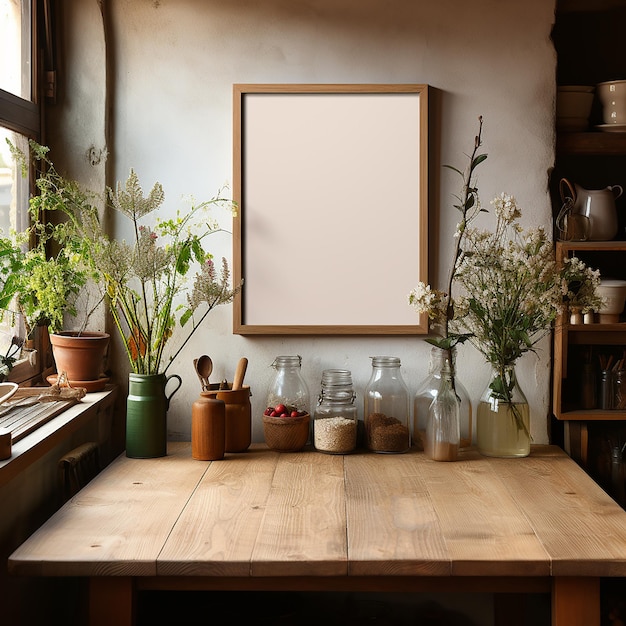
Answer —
(469, 201)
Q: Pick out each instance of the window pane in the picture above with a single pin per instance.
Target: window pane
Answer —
(13, 217)
(15, 47)
(19, 113)
(13, 186)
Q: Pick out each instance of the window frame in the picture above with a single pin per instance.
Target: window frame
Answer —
(19, 114)
(25, 116)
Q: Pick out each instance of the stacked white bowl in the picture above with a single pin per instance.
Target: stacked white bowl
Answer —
(573, 106)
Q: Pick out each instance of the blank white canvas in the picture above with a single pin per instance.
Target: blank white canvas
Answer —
(331, 208)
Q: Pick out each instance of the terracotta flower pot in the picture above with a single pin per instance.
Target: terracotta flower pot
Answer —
(80, 355)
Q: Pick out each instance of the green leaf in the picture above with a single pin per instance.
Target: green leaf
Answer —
(184, 258)
(478, 160)
(438, 342)
(446, 343)
(184, 318)
(198, 253)
(499, 388)
(454, 169)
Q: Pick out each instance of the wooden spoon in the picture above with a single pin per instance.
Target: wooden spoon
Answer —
(195, 366)
(204, 367)
(240, 372)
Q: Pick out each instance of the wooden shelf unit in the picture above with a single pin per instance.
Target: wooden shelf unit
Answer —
(575, 345)
(590, 49)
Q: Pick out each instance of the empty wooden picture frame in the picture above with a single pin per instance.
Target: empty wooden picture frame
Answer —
(331, 233)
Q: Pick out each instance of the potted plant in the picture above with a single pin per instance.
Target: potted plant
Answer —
(581, 285)
(163, 278)
(45, 268)
(149, 292)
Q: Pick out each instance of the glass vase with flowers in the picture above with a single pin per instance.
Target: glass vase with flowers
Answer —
(513, 289)
(440, 307)
(508, 291)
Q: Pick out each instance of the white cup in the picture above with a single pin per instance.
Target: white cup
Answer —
(612, 96)
(613, 294)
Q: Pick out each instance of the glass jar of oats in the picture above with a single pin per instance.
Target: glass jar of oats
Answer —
(335, 419)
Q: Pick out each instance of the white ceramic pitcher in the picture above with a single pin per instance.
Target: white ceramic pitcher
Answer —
(598, 205)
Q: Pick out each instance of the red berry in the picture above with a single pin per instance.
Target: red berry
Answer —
(295, 414)
(268, 411)
(280, 408)
(274, 414)
(284, 415)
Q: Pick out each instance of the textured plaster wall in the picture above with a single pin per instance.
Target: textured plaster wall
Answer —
(171, 119)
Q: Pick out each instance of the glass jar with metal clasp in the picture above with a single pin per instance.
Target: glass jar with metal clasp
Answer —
(335, 420)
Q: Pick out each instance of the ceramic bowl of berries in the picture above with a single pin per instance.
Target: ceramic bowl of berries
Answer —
(286, 429)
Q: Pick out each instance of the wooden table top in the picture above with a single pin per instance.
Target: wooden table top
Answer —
(262, 513)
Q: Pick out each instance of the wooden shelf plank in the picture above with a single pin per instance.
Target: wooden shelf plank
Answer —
(569, 6)
(563, 247)
(591, 144)
(591, 415)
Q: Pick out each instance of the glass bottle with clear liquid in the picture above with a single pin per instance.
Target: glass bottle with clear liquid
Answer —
(427, 392)
(503, 417)
(443, 430)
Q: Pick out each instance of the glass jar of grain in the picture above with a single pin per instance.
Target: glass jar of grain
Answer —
(387, 407)
(335, 419)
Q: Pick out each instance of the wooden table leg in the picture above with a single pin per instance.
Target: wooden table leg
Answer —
(111, 601)
(575, 601)
(577, 441)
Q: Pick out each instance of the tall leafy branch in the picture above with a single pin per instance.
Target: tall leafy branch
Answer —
(469, 208)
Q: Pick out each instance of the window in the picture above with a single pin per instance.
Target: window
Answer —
(15, 47)
(20, 120)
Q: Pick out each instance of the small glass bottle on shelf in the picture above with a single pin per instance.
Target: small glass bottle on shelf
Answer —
(619, 389)
(607, 390)
(387, 409)
(618, 474)
(335, 418)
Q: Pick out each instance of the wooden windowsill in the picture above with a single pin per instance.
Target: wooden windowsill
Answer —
(32, 447)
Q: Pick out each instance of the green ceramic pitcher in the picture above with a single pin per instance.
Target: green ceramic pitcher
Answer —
(146, 414)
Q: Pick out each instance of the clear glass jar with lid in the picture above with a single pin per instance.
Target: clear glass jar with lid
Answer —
(335, 419)
(288, 392)
(427, 392)
(387, 407)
